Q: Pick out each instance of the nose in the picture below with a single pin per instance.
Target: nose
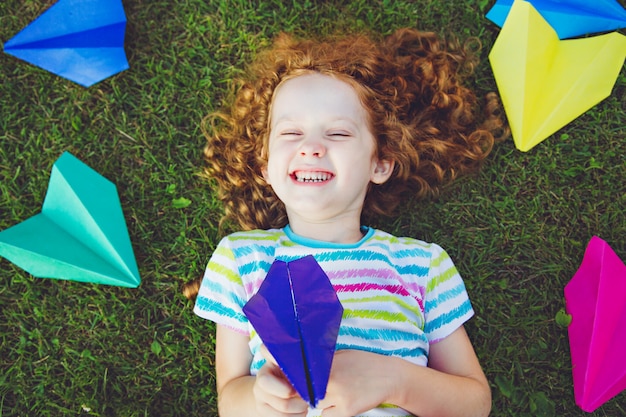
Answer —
(312, 146)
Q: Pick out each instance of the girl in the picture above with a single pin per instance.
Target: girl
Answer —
(321, 137)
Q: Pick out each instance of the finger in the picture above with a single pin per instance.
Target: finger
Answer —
(267, 410)
(331, 412)
(277, 394)
(329, 409)
(267, 355)
(323, 404)
(272, 380)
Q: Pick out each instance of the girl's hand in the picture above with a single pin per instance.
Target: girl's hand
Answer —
(358, 382)
(274, 394)
(453, 384)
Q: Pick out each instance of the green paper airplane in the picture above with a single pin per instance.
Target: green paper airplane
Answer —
(80, 234)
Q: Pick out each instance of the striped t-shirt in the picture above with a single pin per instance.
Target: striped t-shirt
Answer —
(399, 294)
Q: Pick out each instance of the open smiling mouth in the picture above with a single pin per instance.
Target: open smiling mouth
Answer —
(312, 176)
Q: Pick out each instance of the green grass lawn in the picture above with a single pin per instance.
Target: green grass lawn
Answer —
(517, 231)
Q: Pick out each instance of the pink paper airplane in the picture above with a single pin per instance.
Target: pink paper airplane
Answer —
(596, 299)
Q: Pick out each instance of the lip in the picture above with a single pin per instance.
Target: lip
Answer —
(311, 176)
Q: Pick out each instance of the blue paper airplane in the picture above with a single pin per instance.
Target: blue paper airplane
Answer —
(570, 18)
(297, 315)
(81, 40)
(79, 235)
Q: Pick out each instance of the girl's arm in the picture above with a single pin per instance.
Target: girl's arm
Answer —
(241, 394)
(453, 384)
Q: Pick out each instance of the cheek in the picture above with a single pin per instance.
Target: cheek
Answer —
(273, 168)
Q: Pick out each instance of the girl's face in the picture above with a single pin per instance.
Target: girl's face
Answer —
(321, 151)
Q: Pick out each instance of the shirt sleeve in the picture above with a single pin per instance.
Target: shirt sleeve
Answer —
(221, 296)
(447, 305)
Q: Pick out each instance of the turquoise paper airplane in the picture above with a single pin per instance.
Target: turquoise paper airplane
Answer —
(80, 234)
(570, 18)
(81, 40)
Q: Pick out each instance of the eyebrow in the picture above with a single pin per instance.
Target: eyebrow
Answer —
(289, 118)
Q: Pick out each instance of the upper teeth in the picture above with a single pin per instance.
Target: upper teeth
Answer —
(312, 176)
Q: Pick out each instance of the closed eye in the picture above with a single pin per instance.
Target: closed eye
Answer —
(340, 134)
(290, 133)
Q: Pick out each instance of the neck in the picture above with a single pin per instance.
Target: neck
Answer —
(341, 230)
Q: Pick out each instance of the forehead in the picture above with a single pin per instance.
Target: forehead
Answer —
(316, 93)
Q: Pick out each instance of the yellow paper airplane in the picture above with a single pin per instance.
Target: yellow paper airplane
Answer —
(544, 82)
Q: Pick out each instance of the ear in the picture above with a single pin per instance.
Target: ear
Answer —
(266, 177)
(382, 170)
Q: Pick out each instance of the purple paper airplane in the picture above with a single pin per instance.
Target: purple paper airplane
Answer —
(297, 315)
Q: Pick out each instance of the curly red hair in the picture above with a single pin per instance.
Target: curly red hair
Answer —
(423, 118)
